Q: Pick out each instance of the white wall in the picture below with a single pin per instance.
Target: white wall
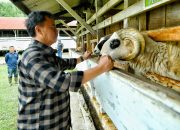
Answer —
(23, 42)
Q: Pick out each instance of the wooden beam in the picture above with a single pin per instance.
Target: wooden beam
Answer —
(64, 18)
(68, 34)
(63, 12)
(142, 22)
(165, 34)
(129, 22)
(76, 16)
(110, 4)
(68, 27)
(62, 28)
(133, 10)
(21, 6)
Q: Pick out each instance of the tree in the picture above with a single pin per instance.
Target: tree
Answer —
(10, 10)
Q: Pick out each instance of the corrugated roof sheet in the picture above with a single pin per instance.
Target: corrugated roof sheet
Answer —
(9, 23)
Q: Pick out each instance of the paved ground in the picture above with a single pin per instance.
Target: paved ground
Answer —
(80, 116)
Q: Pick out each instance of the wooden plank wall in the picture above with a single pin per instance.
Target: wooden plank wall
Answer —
(173, 14)
(166, 16)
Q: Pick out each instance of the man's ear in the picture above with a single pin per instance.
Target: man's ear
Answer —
(38, 30)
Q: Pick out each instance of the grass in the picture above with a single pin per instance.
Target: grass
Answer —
(8, 102)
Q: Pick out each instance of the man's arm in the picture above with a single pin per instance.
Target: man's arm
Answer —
(6, 58)
(45, 74)
(17, 56)
(71, 63)
(105, 64)
(86, 56)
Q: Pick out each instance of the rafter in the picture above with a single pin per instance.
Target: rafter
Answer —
(21, 6)
(101, 11)
(69, 28)
(68, 34)
(76, 16)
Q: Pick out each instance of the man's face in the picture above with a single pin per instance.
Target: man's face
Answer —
(11, 49)
(48, 31)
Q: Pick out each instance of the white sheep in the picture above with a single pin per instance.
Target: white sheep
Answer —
(101, 42)
(143, 54)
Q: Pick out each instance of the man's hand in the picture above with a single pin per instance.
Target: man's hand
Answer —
(87, 55)
(106, 63)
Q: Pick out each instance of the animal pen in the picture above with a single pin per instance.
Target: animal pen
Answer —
(123, 98)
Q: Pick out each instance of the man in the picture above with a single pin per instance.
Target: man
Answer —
(59, 48)
(44, 102)
(11, 59)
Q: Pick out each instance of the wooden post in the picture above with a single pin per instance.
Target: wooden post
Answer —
(142, 22)
(100, 32)
(130, 22)
(88, 36)
(82, 43)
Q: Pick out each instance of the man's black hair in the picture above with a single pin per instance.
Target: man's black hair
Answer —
(35, 18)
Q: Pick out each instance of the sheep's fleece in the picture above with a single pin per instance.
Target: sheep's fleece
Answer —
(144, 54)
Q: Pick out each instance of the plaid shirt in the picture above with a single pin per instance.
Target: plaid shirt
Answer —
(44, 102)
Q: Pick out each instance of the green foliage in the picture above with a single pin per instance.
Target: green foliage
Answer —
(151, 2)
(10, 10)
(8, 101)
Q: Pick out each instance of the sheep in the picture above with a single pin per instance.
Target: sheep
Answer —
(101, 42)
(143, 54)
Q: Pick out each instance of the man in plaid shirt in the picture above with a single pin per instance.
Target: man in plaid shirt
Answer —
(44, 101)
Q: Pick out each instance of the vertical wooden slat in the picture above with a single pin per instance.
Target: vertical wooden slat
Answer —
(130, 22)
(173, 14)
(156, 18)
(88, 38)
(142, 22)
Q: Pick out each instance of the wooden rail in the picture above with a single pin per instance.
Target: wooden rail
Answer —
(165, 34)
(135, 9)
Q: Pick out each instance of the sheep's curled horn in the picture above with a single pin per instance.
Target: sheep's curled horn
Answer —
(136, 38)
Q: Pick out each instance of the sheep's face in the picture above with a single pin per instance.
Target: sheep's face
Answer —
(100, 44)
(116, 47)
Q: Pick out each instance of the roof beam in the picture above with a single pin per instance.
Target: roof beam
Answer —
(62, 28)
(74, 8)
(76, 16)
(68, 34)
(101, 11)
(21, 6)
(69, 28)
(63, 18)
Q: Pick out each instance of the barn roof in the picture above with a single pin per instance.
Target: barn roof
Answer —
(62, 12)
(11, 23)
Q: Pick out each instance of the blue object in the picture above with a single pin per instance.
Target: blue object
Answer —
(11, 60)
(59, 49)
(12, 71)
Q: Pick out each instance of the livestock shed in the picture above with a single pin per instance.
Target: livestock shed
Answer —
(142, 92)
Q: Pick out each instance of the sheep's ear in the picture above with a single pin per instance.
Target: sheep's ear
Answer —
(133, 40)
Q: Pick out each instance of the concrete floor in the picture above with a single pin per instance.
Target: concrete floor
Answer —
(80, 116)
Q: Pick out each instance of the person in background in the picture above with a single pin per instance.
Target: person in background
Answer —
(11, 59)
(44, 100)
(59, 48)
